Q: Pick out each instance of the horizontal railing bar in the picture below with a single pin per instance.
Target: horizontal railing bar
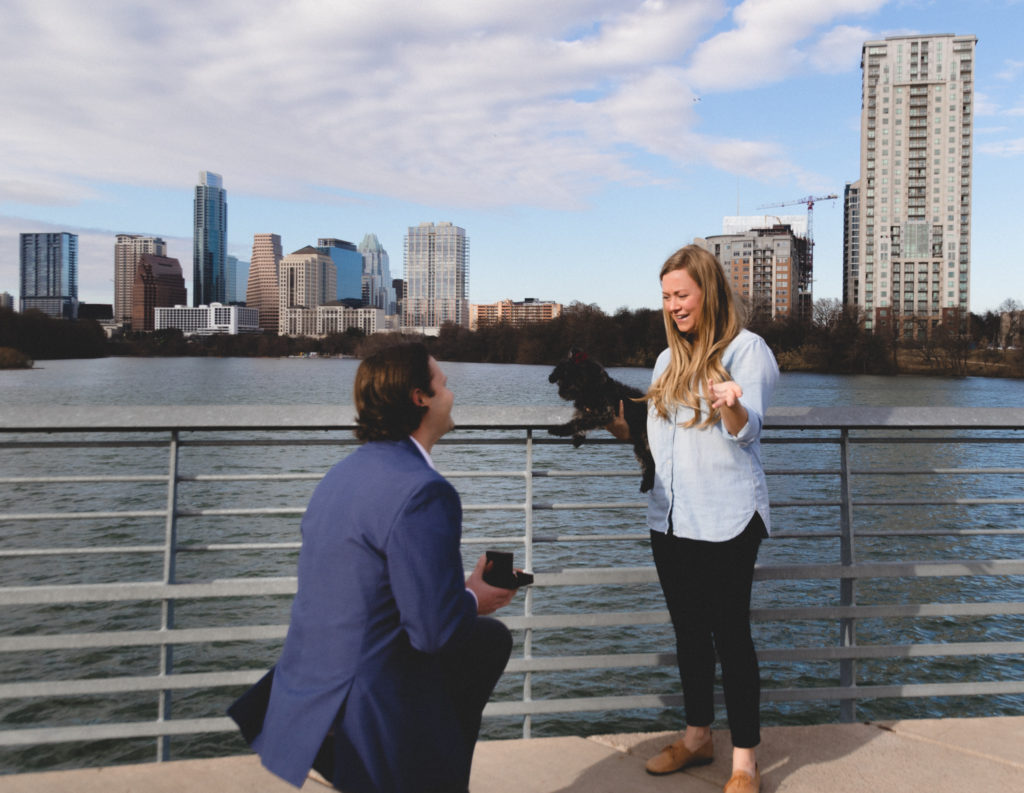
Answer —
(93, 593)
(108, 685)
(819, 693)
(943, 502)
(249, 477)
(187, 512)
(123, 685)
(114, 515)
(46, 444)
(103, 732)
(63, 641)
(893, 611)
(93, 732)
(489, 540)
(540, 506)
(82, 641)
(244, 587)
(629, 660)
(497, 474)
(112, 549)
(833, 693)
(947, 439)
(930, 471)
(338, 418)
(33, 480)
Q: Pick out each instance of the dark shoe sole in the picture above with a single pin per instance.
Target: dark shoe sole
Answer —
(694, 764)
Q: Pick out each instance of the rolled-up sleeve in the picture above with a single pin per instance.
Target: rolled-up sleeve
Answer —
(752, 365)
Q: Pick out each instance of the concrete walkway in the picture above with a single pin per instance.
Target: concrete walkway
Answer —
(927, 756)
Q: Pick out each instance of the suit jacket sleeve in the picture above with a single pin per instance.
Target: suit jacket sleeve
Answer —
(425, 568)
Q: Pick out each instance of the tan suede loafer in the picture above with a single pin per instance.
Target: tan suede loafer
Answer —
(741, 782)
(676, 757)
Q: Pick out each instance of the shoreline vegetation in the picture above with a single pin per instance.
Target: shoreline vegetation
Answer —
(833, 342)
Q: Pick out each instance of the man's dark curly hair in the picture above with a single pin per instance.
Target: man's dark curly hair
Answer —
(383, 390)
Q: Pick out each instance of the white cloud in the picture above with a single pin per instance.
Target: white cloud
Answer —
(1003, 148)
(436, 101)
(768, 42)
(1011, 70)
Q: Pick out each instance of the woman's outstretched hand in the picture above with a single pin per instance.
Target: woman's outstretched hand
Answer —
(725, 394)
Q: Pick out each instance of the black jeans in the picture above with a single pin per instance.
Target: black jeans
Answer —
(707, 589)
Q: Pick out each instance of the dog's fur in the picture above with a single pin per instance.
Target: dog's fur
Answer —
(596, 397)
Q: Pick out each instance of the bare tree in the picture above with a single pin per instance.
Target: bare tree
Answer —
(1011, 315)
(827, 312)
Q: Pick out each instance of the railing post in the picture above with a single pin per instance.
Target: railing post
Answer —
(163, 742)
(847, 585)
(528, 565)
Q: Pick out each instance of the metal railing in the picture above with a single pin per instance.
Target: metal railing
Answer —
(43, 454)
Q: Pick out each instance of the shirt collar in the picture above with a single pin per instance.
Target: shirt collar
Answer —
(424, 452)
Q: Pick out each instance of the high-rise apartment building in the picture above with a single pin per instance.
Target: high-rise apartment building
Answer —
(768, 268)
(348, 265)
(377, 289)
(261, 292)
(159, 283)
(49, 273)
(127, 250)
(851, 244)
(436, 277)
(210, 241)
(307, 279)
(909, 261)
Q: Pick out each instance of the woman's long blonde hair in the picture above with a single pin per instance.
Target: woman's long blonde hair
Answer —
(697, 357)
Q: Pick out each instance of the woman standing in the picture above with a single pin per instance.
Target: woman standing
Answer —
(708, 510)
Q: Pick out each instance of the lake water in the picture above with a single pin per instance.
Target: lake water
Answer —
(312, 381)
(195, 381)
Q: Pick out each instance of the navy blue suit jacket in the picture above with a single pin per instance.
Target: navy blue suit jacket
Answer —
(381, 592)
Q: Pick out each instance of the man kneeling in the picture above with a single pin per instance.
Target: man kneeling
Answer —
(387, 664)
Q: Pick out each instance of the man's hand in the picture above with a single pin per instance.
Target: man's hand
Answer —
(488, 598)
(618, 426)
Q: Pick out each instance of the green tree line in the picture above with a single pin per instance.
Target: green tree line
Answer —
(833, 340)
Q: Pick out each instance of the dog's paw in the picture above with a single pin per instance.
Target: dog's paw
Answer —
(577, 440)
(561, 431)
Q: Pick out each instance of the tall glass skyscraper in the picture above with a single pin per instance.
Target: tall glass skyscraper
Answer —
(49, 273)
(377, 289)
(348, 263)
(210, 241)
(436, 277)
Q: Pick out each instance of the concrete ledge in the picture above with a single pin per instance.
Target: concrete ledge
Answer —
(927, 756)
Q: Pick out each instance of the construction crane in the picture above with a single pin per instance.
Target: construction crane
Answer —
(809, 201)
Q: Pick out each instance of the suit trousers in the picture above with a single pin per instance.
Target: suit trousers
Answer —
(471, 668)
(707, 589)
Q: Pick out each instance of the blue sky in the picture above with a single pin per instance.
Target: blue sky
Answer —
(578, 143)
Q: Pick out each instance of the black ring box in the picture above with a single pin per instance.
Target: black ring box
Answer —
(501, 574)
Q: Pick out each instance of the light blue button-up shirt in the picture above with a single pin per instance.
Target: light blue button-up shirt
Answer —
(712, 482)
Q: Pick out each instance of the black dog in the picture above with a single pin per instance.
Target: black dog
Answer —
(596, 397)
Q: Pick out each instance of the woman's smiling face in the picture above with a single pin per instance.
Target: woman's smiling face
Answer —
(682, 299)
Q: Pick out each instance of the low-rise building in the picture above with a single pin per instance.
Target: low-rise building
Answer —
(510, 312)
(338, 318)
(208, 320)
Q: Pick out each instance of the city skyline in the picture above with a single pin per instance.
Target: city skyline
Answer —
(604, 136)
